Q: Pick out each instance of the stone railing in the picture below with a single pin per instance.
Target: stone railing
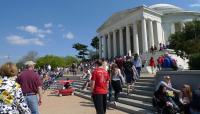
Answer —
(190, 77)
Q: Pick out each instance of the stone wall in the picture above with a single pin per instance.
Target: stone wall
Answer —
(190, 77)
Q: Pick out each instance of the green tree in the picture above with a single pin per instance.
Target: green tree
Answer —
(70, 59)
(82, 50)
(30, 56)
(54, 61)
(95, 43)
(187, 42)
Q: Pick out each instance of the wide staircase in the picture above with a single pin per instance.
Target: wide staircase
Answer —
(139, 101)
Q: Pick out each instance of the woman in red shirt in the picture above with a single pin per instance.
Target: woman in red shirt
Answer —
(152, 64)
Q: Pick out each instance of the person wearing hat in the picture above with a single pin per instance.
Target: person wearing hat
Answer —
(31, 86)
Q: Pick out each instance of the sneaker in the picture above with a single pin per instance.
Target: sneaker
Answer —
(115, 103)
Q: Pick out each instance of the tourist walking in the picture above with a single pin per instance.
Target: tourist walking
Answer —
(116, 81)
(129, 74)
(86, 76)
(168, 62)
(137, 62)
(31, 86)
(152, 64)
(73, 67)
(12, 100)
(99, 87)
(160, 61)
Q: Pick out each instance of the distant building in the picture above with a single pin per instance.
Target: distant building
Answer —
(136, 30)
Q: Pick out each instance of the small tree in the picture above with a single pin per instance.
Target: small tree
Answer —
(70, 60)
(30, 56)
(54, 61)
(82, 50)
(95, 43)
(187, 42)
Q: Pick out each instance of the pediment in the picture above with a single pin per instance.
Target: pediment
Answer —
(116, 17)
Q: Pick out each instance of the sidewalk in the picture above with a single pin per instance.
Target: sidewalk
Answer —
(69, 105)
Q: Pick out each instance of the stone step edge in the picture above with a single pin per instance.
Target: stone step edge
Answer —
(122, 107)
(130, 96)
(135, 102)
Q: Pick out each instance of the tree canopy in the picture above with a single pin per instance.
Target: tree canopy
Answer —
(82, 50)
(56, 61)
(187, 42)
(30, 56)
(95, 43)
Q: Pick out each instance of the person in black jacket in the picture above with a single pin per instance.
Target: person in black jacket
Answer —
(195, 104)
(163, 102)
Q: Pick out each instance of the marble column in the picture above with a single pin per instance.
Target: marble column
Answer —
(150, 31)
(182, 25)
(144, 36)
(173, 28)
(159, 33)
(114, 43)
(135, 38)
(109, 46)
(100, 47)
(104, 47)
(121, 41)
(128, 43)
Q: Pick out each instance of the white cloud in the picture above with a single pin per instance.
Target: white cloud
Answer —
(35, 30)
(4, 57)
(196, 4)
(29, 28)
(48, 25)
(69, 35)
(18, 40)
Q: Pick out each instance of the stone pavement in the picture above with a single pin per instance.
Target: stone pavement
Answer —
(69, 105)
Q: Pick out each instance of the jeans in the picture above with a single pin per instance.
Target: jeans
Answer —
(110, 93)
(116, 84)
(32, 102)
(100, 102)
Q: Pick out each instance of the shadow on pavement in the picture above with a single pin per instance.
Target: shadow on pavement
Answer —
(86, 104)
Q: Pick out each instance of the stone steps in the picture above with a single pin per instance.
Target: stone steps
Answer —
(138, 101)
(120, 106)
(150, 84)
(139, 92)
(138, 87)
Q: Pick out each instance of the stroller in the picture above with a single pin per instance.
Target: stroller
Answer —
(164, 104)
(63, 88)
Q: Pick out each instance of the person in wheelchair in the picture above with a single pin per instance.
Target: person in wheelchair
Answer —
(164, 103)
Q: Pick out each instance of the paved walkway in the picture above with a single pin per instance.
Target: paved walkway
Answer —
(69, 105)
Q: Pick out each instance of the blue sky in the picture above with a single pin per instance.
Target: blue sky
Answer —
(53, 26)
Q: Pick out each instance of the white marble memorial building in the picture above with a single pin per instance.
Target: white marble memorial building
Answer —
(136, 30)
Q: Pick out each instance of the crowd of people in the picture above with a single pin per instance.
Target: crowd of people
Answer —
(168, 100)
(21, 92)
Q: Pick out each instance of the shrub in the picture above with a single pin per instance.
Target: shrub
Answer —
(194, 61)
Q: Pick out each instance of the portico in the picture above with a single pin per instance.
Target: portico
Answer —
(135, 31)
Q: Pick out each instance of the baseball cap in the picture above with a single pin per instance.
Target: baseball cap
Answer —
(29, 63)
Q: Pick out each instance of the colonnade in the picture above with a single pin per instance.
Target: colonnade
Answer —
(136, 37)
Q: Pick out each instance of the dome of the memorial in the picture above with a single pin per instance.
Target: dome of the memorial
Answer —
(166, 8)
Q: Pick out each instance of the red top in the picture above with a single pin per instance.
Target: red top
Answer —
(29, 81)
(101, 78)
(151, 62)
(160, 60)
